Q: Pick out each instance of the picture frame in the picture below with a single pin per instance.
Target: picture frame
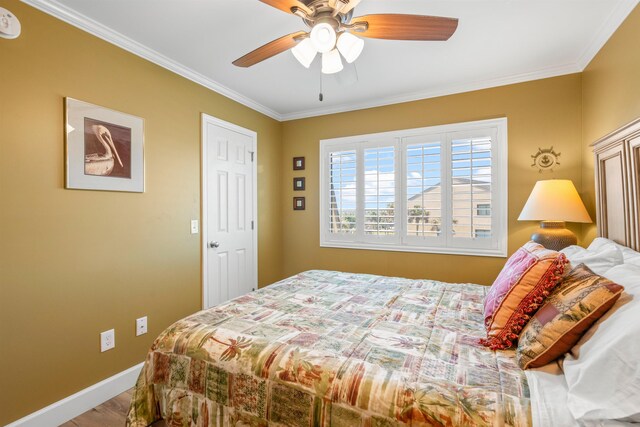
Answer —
(298, 163)
(104, 148)
(298, 184)
(298, 204)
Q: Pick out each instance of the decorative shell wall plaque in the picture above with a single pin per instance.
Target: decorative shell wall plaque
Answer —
(545, 159)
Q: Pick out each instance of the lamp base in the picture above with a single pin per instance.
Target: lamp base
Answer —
(554, 235)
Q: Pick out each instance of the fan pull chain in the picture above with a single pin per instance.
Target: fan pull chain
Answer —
(320, 96)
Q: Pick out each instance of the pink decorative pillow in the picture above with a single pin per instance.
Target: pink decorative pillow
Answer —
(519, 290)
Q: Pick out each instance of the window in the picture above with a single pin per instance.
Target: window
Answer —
(440, 189)
(483, 209)
(479, 232)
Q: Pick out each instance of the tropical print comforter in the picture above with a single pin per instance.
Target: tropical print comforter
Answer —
(325, 348)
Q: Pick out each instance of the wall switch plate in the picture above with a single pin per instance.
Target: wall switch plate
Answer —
(107, 340)
(194, 226)
(141, 326)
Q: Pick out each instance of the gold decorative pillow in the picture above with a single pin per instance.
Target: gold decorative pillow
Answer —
(575, 304)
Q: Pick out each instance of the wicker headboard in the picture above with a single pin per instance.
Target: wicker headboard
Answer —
(617, 171)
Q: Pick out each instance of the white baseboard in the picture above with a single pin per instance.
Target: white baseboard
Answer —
(70, 407)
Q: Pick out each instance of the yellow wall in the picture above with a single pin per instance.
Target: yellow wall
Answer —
(611, 97)
(541, 114)
(74, 263)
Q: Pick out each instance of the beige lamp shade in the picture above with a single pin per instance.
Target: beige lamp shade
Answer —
(554, 200)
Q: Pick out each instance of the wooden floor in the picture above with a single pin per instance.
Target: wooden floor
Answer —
(111, 413)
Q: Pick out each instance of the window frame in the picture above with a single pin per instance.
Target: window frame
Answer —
(400, 241)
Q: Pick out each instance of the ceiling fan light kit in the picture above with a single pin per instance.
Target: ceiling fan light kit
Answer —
(331, 62)
(323, 39)
(332, 26)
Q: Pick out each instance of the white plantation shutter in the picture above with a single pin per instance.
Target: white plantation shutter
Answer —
(471, 176)
(379, 191)
(440, 189)
(423, 187)
(342, 192)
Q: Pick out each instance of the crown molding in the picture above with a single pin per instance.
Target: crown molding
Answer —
(606, 30)
(601, 36)
(70, 16)
(442, 91)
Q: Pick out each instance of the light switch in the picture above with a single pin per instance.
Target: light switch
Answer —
(194, 226)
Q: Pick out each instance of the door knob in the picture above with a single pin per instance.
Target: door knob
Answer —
(214, 244)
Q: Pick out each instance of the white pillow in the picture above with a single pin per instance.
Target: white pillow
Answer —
(603, 369)
(598, 242)
(573, 250)
(627, 275)
(630, 256)
(599, 261)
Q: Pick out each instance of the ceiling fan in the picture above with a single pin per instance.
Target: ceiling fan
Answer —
(333, 30)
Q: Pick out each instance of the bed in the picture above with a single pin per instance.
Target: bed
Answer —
(327, 348)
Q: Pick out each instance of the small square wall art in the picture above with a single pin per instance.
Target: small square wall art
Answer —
(298, 163)
(298, 184)
(298, 204)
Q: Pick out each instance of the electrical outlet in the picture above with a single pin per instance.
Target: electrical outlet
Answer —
(194, 226)
(141, 326)
(107, 340)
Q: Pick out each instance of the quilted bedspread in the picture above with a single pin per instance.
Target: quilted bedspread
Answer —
(324, 348)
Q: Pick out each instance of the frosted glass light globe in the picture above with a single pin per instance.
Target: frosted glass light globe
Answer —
(323, 37)
(331, 62)
(305, 52)
(350, 46)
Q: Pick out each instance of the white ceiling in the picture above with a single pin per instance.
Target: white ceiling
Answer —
(497, 42)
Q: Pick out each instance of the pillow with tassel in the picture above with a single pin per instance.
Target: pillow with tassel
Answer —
(519, 290)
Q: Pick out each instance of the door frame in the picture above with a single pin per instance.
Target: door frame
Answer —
(207, 119)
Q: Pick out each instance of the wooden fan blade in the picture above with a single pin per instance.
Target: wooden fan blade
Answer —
(406, 27)
(286, 5)
(268, 50)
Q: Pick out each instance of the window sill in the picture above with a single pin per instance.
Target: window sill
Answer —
(499, 253)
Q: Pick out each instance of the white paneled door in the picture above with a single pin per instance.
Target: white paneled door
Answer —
(229, 216)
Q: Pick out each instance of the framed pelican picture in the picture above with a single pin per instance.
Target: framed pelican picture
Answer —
(105, 148)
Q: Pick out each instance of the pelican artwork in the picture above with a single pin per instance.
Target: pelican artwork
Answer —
(102, 164)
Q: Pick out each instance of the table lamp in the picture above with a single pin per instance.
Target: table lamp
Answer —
(554, 202)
